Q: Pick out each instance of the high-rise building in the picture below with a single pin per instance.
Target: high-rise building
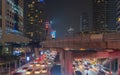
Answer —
(12, 16)
(11, 23)
(118, 15)
(34, 19)
(84, 23)
(104, 15)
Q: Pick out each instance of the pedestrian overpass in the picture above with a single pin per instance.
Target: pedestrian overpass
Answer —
(102, 45)
(86, 41)
(85, 45)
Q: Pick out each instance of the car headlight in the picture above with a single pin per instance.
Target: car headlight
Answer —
(31, 65)
(37, 72)
(37, 64)
(28, 72)
(44, 71)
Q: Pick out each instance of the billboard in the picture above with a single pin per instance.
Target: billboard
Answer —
(53, 34)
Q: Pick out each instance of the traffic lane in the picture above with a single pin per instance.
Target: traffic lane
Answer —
(85, 71)
(78, 73)
(33, 70)
(30, 73)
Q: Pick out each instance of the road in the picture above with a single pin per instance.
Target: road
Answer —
(32, 69)
(40, 66)
(91, 71)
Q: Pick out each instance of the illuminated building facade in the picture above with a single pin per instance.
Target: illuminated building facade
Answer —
(104, 15)
(13, 14)
(118, 15)
(34, 19)
(11, 23)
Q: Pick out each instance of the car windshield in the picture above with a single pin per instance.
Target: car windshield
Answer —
(25, 68)
(29, 70)
(37, 69)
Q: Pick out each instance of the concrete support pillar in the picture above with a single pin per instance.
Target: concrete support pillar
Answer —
(37, 52)
(0, 69)
(119, 66)
(20, 64)
(62, 60)
(3, 24)
(9, 68)
(110, 65)
(10, 48)
(15, 64)
(68, 63)
(48, 71)
(6, 66)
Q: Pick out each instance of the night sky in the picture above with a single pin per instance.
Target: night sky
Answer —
(66, 13)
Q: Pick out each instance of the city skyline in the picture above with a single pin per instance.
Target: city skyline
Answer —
(65, 14)
(59, 37)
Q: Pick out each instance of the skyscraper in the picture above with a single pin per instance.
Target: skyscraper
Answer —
(13, 11)
(84, 23)
(118, 15)
(34, 19)
(11, 23)
(104, 15)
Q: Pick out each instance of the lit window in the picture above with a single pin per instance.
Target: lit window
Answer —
(29, 5)
(36, 10)
(41, 20)
(31, 20)
(40, 11)
(102, 0)
(28, 14)
(98, 1)
(31, 34)
(31, 17)
(119, 19)
(31, 23)
(36, 16)
(33, 2)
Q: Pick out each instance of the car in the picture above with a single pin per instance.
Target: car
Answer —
(43, 65)
(37, 71)
(105, 71)
(44, 70)
(31, 64)
(29, 71)
(101, 72)
(37, 64)
(86, 67)
(25, 68)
